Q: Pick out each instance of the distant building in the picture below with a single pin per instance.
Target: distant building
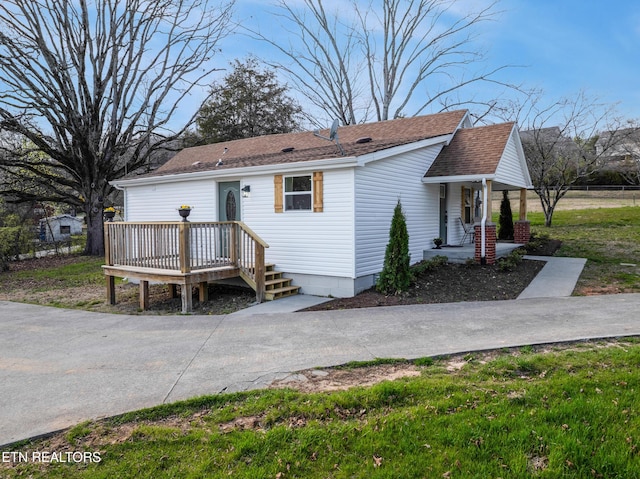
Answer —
(59, 228)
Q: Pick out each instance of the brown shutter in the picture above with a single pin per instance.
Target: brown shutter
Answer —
(317, 192)
(462, 203)
(277, 193)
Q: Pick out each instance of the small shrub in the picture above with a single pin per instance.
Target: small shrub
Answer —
(505, 230)
(428, 265)
(535, 241)
(511, 262)
(14, 240)
(396, 274)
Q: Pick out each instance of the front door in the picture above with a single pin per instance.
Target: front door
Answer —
(228, 210)
(229, 201)
(443, 212)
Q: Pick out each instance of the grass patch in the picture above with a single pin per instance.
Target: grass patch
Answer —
(84, 270)
(561, 413)
(607, 237)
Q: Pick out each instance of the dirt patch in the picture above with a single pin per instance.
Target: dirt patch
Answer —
(315, 380)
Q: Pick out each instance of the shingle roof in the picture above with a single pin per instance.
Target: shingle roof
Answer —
(473, 151)
(305, 146)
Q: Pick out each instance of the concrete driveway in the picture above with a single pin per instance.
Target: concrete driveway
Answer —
(59, 367)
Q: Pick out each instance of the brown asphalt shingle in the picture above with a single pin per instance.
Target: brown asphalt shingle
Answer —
(473, 151)
(268, 150)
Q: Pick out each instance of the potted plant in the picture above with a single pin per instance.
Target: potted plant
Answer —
(109, 213)
(437, 242)
(185, 211)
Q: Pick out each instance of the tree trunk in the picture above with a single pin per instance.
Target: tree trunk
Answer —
(95, 226)
(548, 216)
(95, 234)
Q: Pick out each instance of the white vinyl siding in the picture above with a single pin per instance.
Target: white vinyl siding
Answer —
(510, 170)
(378, 186)
(161, 202)
(303, 241)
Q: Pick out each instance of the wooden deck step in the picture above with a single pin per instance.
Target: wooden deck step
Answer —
(277, 286)
(273, 294)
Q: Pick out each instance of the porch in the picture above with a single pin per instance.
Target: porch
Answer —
(467, 252)
(188, 254)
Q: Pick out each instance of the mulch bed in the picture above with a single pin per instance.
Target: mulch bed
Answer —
(452, 283)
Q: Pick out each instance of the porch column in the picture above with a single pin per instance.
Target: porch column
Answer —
(490, 244)
(486, 239)
(522, 227)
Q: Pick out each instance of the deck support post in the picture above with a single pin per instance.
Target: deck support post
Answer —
(173, 291)
(144, 295)
(203, 291)
(187, 301)
(111, 289)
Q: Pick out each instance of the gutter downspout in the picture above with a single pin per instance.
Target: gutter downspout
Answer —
(483, 223)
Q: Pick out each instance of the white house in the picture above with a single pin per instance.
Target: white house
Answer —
(324, 207)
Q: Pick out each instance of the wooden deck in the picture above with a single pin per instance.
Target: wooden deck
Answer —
(183, 254)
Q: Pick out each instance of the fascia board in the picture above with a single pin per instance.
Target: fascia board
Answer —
(456, 179)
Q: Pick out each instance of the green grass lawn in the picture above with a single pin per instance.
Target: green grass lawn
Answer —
(571, 413)
(608, 237)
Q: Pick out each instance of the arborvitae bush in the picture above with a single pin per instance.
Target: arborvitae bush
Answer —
(505, 230)
(396, 274)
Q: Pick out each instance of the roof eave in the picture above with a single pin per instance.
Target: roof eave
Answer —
(456, 178)
(325, 164)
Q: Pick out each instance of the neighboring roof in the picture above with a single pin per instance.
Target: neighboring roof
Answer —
(305, 146)
(473, 151)
(60, 217)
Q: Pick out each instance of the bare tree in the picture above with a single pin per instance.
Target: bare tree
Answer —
(563, 144)
(390, 58)
(93, 88)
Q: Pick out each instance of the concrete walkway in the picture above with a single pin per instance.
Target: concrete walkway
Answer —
(557, 278)
(60, 367)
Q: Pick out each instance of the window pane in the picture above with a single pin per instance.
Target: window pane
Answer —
(298, 202)
(297, 183)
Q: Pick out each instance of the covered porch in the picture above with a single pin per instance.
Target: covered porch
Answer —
(185, 254)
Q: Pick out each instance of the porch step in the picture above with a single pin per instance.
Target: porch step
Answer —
(276, 286)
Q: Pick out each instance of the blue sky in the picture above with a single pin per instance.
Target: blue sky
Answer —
(569, 45)
(561, 46)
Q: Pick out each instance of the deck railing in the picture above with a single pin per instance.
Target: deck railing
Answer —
(187, 247)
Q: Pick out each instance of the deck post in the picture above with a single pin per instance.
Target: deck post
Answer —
(187, 302)
(111, 289)
(184, 245)
(259, 272)
(233, 243)
(203, 291)
(144, 295)
(111, 280)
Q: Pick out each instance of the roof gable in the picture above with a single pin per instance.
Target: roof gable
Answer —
(356, 140)
(473, 151)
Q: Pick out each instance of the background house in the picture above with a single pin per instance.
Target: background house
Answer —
(325, 207)
(59, 228)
